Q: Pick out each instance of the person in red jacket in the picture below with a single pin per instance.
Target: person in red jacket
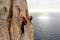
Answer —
(30, 18)
(24, 22)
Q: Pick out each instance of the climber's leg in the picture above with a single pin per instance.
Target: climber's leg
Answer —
(30, 21)
(22, 28)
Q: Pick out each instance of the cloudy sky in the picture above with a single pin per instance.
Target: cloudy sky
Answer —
(43, 5)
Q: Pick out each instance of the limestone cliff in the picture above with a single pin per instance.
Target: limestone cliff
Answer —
(10, 13)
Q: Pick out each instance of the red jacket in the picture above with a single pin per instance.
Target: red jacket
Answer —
(30, 17)
(24, 20)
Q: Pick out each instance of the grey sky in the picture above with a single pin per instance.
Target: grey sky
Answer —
(44, 5)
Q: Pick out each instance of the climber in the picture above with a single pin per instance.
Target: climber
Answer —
(24, 22)
(30, 18)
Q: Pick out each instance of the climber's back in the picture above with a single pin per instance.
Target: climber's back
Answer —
(24, 20)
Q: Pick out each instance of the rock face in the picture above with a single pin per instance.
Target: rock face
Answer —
(11, 12)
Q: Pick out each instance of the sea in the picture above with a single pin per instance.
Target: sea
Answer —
(46, 26)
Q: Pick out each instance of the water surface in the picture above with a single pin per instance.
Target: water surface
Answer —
(46, 26)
